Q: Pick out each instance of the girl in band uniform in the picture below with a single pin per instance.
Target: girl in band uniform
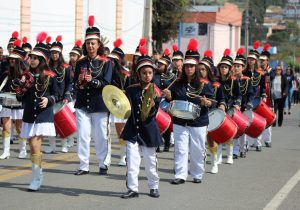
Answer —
(92, 73)
(239, 64)
(38, 96)
(8, 113)
(141, 130)
(64, 84)
(190, 135)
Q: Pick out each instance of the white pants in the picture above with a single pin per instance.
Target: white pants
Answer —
(240, 144)
(189, 140)
(267, 135)
(256, 141)
(134, 152)
(93, 125)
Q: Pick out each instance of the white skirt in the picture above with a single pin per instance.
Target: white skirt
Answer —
(14, 114)
(37, 129)
(114, 119)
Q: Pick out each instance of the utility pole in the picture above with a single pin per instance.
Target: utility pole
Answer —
(247, 27)
(147, 26)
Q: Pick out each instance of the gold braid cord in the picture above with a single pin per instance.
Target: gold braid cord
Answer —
(36, 159)
(148, 97)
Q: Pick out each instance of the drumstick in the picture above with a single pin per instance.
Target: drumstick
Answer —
(195, 95)
(170, 85)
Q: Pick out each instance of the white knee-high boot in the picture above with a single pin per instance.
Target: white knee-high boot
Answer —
(6, 145)
(52, 145)
(64, 145)
(214, 162)
(37, 172)
(219, 154)
(229, 147)
(23, 151)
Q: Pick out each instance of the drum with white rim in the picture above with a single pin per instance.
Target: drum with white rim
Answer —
(9, 100)
(184, 110)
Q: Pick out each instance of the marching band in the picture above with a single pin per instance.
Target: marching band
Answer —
(176, 99)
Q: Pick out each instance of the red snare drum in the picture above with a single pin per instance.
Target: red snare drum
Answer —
(221, 127)
(163, 120)
(64, 122)
(241, 121)
(264, 110)
(257, 124)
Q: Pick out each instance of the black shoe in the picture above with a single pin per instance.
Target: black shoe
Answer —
(154, 193)
(166, 149)
(11, 142)
(235, 156)
(243, 154)
(289, 112)
(258, 149)
(198, 181)
(81, 172)
(252, 145)
(103, 171)
(268, 144)
(158, 150)
(130, 194)
(284, 112)
(177, 181)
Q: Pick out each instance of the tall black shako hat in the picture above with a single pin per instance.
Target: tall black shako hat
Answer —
(41, 49)
(177, 54)
(57, 45)
(117, 52)
(77, 48)
(18, 52)
(265, 55)
(207, 59)
(253, 53)
(192, 55)
(143, 42)
(144, 59)
(92, 32)
(26, 45)
(226, 59)
(14, 37)
(240, 58)
(165, 59)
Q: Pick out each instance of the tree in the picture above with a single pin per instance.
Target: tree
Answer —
(166, 17)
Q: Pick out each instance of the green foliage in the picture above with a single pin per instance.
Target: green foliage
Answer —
(166, 16)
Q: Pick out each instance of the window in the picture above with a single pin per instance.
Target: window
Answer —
(202, 31)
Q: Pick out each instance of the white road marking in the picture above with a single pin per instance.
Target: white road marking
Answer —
(283, 192)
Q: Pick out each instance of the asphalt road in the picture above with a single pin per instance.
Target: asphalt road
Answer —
(264, 179)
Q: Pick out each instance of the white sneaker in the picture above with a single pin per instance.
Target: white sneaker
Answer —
(50, 150)
(214, 169)
(122, 161)
(5, 155)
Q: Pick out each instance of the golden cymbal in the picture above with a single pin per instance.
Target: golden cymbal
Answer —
(116, 101)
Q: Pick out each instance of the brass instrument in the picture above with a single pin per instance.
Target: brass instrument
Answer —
(147, 100)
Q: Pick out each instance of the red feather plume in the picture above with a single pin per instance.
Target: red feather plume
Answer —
(78, 43)
(226, 52)
(143, 50)
(256, 45)
(17, 43)
(193, 45)
(175, 47)
(48, 40)
(91, 20)
(15, 34)
(267, 47)
(240, 51)
(24, 40)
(41, 37)
(208, 54)
(118, 43)
(166, 52)
(58, 38)
(143, 42)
